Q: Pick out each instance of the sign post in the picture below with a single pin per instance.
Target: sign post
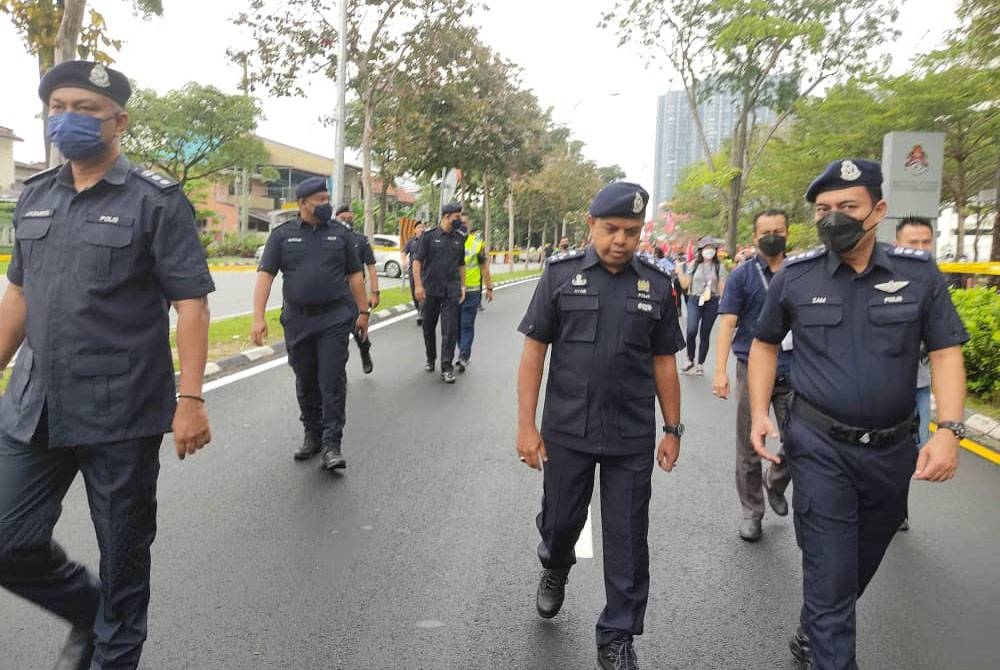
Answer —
(912, 170)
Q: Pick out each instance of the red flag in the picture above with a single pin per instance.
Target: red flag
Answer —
(689, 254)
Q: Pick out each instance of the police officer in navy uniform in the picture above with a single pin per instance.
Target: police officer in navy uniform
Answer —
(323, 301)
(858, 311)
(101, 251)
(610, 319)
(439, 275)
(367, 257)
(409, 253)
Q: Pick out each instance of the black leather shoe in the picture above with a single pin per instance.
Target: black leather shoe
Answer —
(448, 377)
(799, 646)
(617, 655)
(777, 501)
(366, 358)
(429, 366)
(332, 458)
(309, 448)
(551, 591)
(750, 530)
(77, 651)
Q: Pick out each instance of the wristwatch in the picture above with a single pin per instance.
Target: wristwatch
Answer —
(956, 427)
(677, 430)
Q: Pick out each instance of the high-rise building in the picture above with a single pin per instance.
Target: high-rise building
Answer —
(677, 141)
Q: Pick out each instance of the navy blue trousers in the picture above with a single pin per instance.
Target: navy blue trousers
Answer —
(849, 501)
(435, 307)
(625, 491)
(469, 310)
(317, 352)
(120, 479)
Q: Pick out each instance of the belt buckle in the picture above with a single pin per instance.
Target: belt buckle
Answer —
(865, 438)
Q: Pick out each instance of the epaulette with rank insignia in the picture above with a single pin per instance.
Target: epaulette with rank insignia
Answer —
(652, 264)
(157, 180)
(817, 252)
(44, 173)
(565, 256)
(909, 252)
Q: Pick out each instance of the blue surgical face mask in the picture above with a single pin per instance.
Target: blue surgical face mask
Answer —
(323, 212)
(77, 136)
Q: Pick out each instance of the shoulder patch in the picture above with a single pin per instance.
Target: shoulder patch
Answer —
(565, 256)
(652, 265)
(909, 252)
(51, 172)
(157, 180)
(812, 254)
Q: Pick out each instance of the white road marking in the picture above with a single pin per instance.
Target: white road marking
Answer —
(585, 545)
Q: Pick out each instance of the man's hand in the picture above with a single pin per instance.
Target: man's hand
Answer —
(258, 331)
(420, 293)
(720, 385)
(373, 300)
(938, 460)
(760, 430)
(489, 294)
(190, 426)
(531, 447)
(461, 298)
(361, 325)
(668, 451)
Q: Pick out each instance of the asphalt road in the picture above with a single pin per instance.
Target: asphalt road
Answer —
(422, 555)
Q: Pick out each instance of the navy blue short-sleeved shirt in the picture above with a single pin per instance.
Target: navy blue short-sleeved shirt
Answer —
(99, 269)
(362, 247)
(605, 329)
(314, 261)
(744, 296)
(857, 336)
(441, 255)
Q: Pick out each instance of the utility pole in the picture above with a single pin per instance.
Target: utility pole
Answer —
(337, 192)
(243, 197)
(510, 229)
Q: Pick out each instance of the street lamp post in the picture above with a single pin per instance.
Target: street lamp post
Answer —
(337, 192)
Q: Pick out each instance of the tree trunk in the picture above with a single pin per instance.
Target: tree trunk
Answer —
(66, 39)
(995, 251)
(486, 214)
(366, 162)
(510, 229)
(960, 210)
(383, 204)
(738, 160)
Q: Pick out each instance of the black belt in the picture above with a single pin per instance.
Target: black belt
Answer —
(313, 310)
(841, 432)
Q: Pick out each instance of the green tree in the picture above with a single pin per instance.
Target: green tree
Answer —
(767, 53)
(195, 134)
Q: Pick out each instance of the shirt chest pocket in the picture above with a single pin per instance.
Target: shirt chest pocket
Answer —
(641, 317)
(895, 327)
(578, 316)
(106, 253)
(334, 251)
(292, 254)
(816, 321)
(31, 236)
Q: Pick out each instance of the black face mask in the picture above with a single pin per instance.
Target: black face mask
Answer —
(772, 245)
(841, 232)
(323, 212)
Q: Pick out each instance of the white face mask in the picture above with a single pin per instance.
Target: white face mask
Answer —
(708, 254)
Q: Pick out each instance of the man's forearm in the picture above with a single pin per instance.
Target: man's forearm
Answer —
(193, 318)
(357, 283)
(373, 278)
(724, 344)
(261, 293)
(529, 381)
(948, 383)
(13, 313)
(487, 277)
(418, 266)
(761, 372)
(461, 275)
(668, 388)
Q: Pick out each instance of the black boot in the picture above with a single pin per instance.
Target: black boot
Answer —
(799, 646)
(77, 651)
(332, 458)
(309, 448)
(366, 357)
(551, 591)
(617, 655)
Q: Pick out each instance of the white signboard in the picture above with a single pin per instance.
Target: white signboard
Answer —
(912, 169)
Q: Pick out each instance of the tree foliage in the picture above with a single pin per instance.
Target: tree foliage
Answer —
(194, 133)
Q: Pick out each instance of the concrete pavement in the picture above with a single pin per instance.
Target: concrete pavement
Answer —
(422, 554)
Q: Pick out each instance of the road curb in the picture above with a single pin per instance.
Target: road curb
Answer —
(224, 366)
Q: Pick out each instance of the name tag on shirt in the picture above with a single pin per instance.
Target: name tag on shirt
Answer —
(37, 214)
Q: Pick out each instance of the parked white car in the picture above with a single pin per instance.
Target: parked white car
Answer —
(388, 255)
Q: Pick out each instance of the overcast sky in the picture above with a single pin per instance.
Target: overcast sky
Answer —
(603, 93)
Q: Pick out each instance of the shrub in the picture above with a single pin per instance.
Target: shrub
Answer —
(980, 312)
(233, 244)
